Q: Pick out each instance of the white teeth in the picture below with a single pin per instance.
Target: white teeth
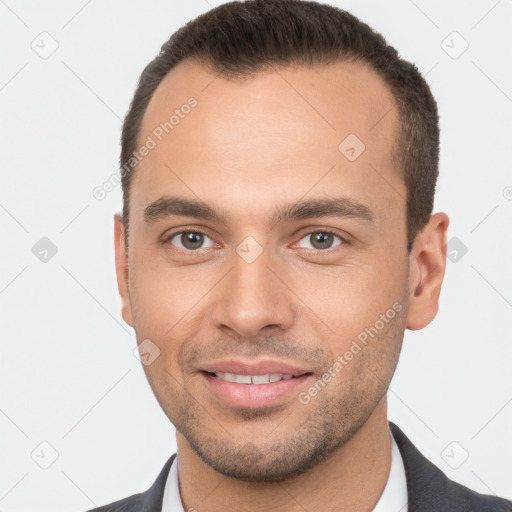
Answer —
(253, 379)
(260, 379)
(230, 377)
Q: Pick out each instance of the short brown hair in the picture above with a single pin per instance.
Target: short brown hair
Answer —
(238, 39)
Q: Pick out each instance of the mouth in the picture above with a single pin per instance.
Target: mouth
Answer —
(254, 391)
(266, 378)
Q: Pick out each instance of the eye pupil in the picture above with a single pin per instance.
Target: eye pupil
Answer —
(322, 240)
(192, 240)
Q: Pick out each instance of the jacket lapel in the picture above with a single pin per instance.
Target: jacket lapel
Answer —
(154, 496)
(428, 488)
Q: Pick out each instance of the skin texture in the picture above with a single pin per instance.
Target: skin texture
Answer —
(247, 148)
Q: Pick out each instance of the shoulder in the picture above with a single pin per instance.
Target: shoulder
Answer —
(148, 501)
(476, 501)
(428, 488)
(130, 504)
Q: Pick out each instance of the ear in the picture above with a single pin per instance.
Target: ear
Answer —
(427, 263)
(122, 269)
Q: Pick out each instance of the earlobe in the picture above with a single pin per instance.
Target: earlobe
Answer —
(427, 267)
(122, 273)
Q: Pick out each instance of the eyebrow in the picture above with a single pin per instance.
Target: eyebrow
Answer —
(170, 206)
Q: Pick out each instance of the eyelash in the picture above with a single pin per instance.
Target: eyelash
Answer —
(344, 240)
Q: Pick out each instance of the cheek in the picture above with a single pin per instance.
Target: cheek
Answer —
(168, 304)
(166, 383)
(351, 297)
(367, 349)
(164, 298)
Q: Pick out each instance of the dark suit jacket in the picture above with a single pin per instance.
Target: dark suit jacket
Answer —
(428, 488)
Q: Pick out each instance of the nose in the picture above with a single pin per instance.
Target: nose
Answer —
(252, 299)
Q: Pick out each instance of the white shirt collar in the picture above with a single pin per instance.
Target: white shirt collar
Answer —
(394, 496)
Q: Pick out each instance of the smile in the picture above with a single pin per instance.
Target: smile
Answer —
(254, 391)
(267, 378)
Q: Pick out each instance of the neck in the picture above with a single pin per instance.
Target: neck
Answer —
(351, 479)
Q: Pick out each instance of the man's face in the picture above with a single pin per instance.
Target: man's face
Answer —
(288, 293)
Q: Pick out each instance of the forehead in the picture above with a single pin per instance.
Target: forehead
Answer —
(281, 129)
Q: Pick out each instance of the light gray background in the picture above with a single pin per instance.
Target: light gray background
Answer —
(68, 375)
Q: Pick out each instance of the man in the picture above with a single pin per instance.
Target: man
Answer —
(279, 163)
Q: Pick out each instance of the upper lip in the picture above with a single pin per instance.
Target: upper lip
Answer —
(259, 368)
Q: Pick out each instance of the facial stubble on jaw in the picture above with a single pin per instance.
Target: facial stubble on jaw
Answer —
(280, 456)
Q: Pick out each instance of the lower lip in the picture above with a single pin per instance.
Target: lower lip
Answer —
(252, 396)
